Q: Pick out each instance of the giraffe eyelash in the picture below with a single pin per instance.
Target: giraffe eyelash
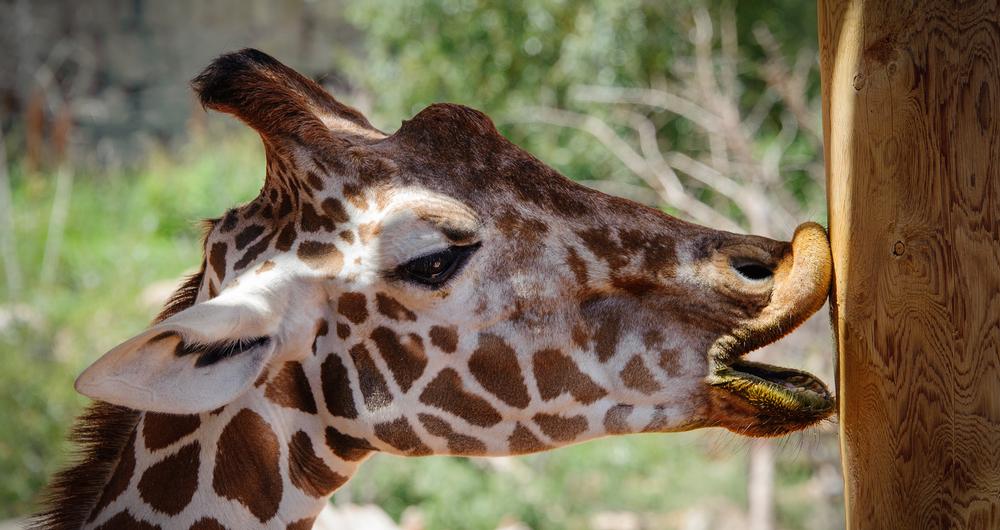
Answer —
(214, 352)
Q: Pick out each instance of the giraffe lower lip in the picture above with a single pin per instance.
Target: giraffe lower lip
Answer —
(784, 394)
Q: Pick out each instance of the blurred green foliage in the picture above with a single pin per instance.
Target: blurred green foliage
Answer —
(645, 474)
(503, 57)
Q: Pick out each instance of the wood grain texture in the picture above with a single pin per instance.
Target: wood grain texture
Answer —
(911, 106)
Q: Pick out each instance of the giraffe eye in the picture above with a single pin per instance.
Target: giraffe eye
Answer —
(435, 269)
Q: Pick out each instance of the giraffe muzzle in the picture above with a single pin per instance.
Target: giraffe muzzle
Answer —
(766, 400)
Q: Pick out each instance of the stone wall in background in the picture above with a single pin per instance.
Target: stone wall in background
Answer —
(115, 73)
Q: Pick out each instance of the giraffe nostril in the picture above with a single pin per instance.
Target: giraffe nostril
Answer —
(751, 269)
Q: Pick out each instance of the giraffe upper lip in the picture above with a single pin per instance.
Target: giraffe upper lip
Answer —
(801, 284)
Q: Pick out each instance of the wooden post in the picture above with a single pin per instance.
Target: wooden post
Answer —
(911, 119)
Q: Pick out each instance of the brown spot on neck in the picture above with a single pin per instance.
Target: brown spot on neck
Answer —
(560, 428)
(347, 447)
(556, 373)
(356, 196)
(290, 388)
(169, 485)
(314, 180)
(248, 235)
(161, 430)
(285, 205)
(602, 313)
(606, 338)
(321, 256)
(636, 376)
(334, 209)
(659, 257)
(312, 221)
(616, 419)
(670, 362)
(601, 244)
(523, 441)
(337, 388)
(391, 308)
(405, 357)
(374, 389)
(354, 306)
(494, 364)
(250, 210)
(652, 339)
(519, 228)
(445, 338)
(400, 435)
(459, 444)
(247, 469)
(343, 330)
(580, 337)
(447, 393)
(307, 471)
(217, 258)
(254, 251)
(286, 238)
(230, 220)
(660, 421)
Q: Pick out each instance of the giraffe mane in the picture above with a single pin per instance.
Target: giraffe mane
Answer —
(99, 434)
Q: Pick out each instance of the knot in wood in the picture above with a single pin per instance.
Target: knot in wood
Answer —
(898, 248)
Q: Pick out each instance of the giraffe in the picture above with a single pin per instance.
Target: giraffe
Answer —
(437, 290)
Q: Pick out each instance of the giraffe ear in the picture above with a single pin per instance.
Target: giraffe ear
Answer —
(197, 360)
(278, 102)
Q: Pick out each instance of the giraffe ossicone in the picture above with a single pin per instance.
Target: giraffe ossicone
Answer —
(433, 291)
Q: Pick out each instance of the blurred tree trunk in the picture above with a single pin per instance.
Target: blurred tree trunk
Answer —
(760, 485)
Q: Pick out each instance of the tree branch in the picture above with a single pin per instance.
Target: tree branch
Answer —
(657, 98)
(673, 196)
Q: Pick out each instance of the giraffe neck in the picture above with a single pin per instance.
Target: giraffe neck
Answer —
(265, 460)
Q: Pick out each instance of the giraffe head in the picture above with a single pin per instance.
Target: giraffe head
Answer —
(440, 290)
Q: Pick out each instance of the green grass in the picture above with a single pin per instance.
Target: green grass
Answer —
(128, 230)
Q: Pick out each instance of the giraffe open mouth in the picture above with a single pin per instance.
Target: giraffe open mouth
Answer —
(778, 395)
(761, 399)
